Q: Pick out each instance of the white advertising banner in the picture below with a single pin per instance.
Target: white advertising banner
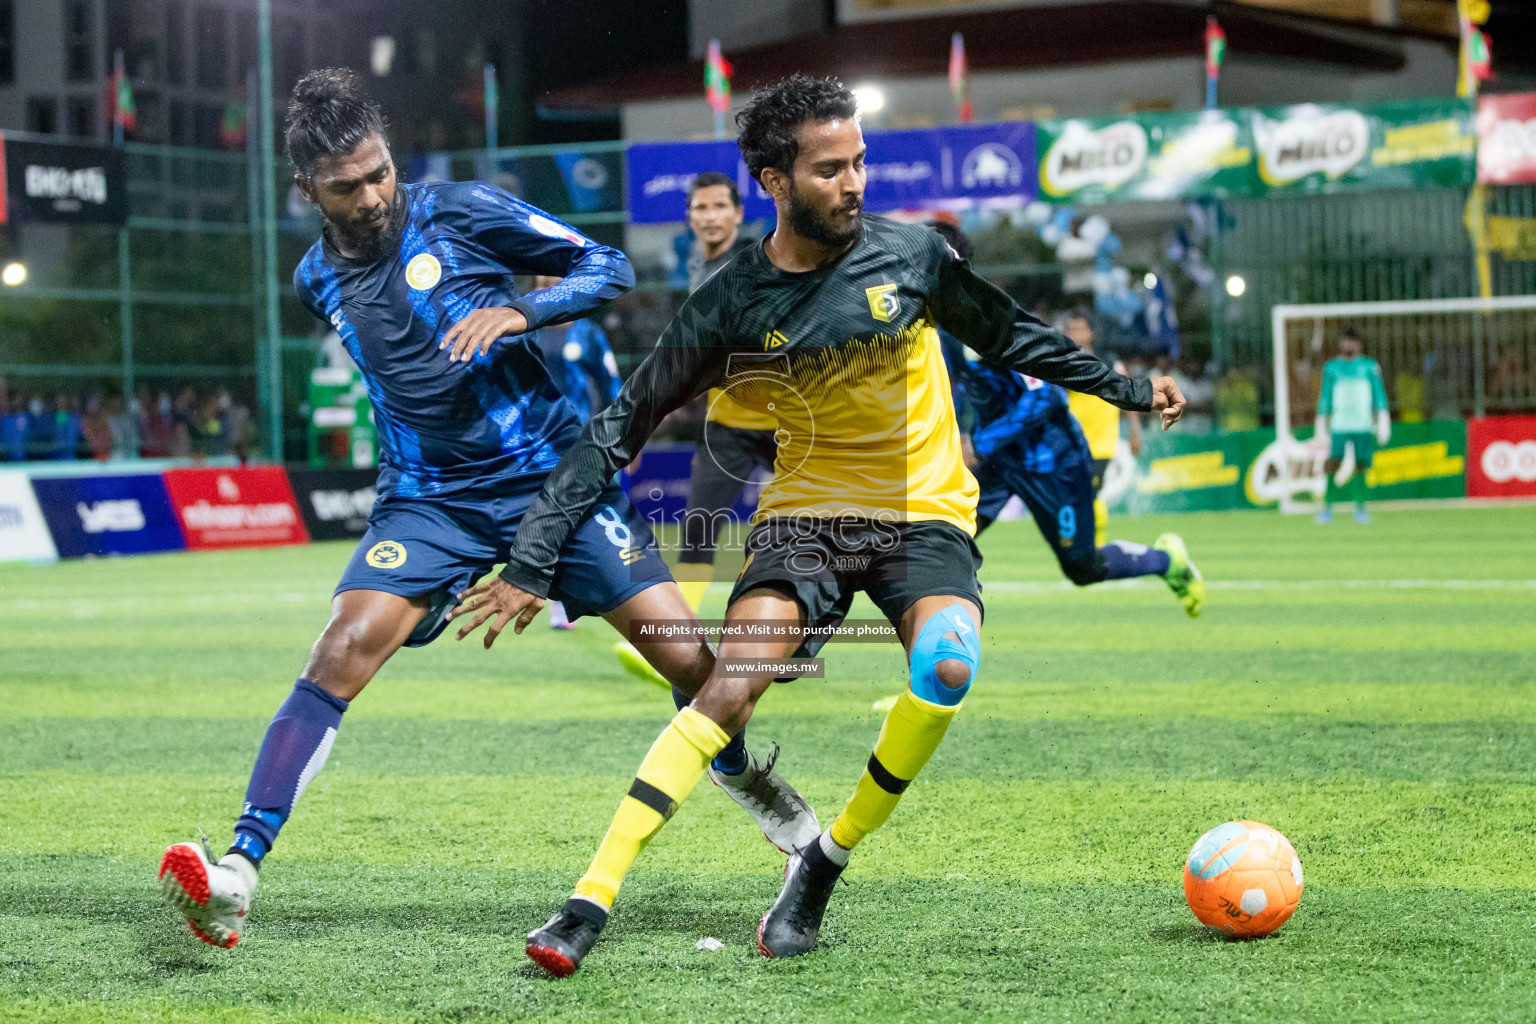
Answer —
(24, 535)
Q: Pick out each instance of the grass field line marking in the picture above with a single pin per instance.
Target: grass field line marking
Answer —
(1042, 586)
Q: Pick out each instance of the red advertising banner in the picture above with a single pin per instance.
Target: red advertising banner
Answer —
(1506, 139)
(234, 508)
(1501, 457)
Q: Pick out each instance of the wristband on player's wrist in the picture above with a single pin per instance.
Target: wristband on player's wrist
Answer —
(530, 583)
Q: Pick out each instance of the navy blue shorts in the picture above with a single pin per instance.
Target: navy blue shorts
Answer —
(1061, 502)
(437, 547)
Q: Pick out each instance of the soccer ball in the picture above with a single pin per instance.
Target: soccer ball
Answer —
(1244, 878)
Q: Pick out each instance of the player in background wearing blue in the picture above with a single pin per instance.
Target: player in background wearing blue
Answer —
(1352, 413)
(1019, 437)
(586, 373)
(417, 281)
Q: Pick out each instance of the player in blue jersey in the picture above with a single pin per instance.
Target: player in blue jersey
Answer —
(1027, 443)
(579, 360)
(1020, 438)
(417, 281)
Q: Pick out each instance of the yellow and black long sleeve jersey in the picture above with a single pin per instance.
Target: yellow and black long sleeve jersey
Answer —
(847, 361)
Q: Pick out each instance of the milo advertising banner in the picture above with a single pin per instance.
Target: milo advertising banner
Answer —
(1307, 148)
(1148, 156)
(1183, 473)
(1405, 144)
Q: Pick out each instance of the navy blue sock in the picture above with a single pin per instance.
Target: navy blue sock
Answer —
(733, 759)
(293, 752)
(1123, 559)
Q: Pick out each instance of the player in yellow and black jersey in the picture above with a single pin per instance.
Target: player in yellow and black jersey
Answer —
(830, 325)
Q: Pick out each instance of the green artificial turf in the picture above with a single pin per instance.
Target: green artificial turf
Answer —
(1370, 691)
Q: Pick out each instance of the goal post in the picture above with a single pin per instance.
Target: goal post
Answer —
(1440, 358)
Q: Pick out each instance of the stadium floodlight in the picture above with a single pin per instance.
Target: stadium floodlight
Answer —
(1236, 286)
(1441, 348)
(870, 98)
(14, 274)
(381, 55)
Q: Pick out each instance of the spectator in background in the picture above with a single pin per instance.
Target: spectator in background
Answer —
(1237, 401)
(158, 432)
(183, 416)
(205, 432)
(66, 428)
(1408, 387)
(125, 430)
(39, 427)
(13, 429)
(96, 427)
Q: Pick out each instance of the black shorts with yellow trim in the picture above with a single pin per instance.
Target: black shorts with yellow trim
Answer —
(823, 561)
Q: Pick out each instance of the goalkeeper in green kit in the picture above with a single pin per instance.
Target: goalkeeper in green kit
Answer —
(1352, 412)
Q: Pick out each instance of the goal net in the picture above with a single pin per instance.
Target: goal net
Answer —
(1440, 359)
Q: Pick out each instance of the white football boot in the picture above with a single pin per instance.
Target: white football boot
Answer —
(212, 896)
(785, 817)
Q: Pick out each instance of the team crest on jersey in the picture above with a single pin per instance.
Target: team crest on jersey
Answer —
(423, 271)
(386, 554)
(884, 303)
(773, 339)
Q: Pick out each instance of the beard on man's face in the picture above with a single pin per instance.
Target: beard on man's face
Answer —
(811, 223)
(372, 240)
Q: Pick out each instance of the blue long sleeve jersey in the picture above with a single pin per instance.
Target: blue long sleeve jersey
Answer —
(1012, 417)
(582, 365)
(498, 422)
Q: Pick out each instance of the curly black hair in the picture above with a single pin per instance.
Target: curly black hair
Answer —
(769, 122)
(329, 115)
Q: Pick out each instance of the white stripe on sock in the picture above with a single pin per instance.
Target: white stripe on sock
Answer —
(316, 762)
(836, 854)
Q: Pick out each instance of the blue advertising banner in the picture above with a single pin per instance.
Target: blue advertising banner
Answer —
(109, 515)
(923, 167)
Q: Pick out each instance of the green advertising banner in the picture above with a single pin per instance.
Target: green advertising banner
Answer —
(1147, 156)
(1182, 473)
(1306, 148)
(1406, 144)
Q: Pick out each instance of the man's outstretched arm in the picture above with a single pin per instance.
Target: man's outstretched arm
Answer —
(982, 315)
(528, 241)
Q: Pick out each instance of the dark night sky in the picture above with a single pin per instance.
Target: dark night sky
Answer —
(608, 37)
(571, 41)
(1513, 31)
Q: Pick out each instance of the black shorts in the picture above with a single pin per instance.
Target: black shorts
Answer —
(822, 561)
(722, 465)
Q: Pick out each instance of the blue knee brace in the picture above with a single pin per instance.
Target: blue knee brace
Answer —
(934, 646)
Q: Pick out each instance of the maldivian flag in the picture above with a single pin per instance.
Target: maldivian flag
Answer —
(120, 96)
(1215, 48)
(1479, 60)
(960, 77)
(717, 79)
(1476, 61)
(232, 126)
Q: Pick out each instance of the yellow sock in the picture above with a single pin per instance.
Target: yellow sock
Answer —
(693, 592)
(909, 737)
(1100, 523)
(672, 767)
